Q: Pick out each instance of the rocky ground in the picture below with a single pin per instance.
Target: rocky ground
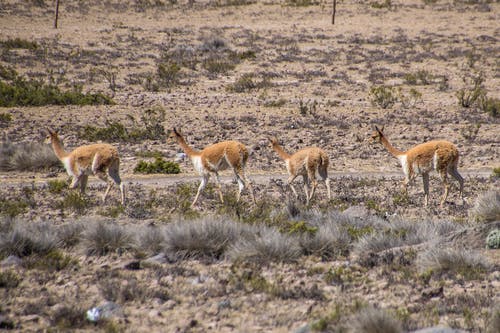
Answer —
(245, 70)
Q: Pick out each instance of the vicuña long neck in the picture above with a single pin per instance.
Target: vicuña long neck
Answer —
(394, 151)
(58, 148)
(281, 152)
(188, 150)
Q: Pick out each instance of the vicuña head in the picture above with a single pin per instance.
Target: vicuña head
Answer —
(306, 162)
(214, 158)
(439, 155)
(99, 159)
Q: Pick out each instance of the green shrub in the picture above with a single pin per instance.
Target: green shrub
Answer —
(75, 202)
(149, 127)
(12, 208)
(158, 166)
(472, 94)
(5, 119)
(421, 77)
(379, 5)
(218, 66)
(247, 83)
(56, 186)
(489, 105)
(22, 92)
(54, 260)
(168, 74)
(496, 172)
(383, 96)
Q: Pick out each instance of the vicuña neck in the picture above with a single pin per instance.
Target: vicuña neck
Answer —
(187, 149)
(58, 148)
(281, 152)
(394, 151)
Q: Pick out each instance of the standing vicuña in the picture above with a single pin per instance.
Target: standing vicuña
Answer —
(306, 163)
(96, 159)
(217, 157)
(438, 155)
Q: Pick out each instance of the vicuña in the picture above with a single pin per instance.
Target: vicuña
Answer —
(306, 162)
(439, 155)
(214, 158)
(98, 159)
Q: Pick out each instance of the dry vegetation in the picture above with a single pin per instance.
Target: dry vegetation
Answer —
(368, 260)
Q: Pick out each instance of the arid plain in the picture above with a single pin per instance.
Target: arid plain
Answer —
(247, 70)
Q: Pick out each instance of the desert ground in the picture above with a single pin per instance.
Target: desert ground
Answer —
(370, 259)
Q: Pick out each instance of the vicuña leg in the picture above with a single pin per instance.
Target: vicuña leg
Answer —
(425, 178)
(219, 187)
(203, 183)
(444, 178)
(323, 174)
(454, 173)
(115, 176)
(83, 183)
(102, 176)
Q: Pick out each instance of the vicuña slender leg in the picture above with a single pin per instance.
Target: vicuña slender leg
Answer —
(425, 178)
(219, 187)
(203, 183)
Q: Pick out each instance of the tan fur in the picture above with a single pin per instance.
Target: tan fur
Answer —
(441, 156)
(97, 159)
(214, 158)
(306, 163)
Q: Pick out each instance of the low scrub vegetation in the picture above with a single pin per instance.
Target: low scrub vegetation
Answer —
(27, 156)
(20, 91)
(487, 207)
(158, 166)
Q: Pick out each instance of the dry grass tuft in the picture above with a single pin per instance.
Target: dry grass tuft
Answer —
(26, 156)
(487, 207)
(105, 237)
(373, 320)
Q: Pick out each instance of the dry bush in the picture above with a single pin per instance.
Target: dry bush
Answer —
(104, 237)
(150, 240)
(209, 237)
(24, 239)
(468, 263)
(68, 316)
(70, 234)
(26, 156)
(328, 241)
(373, 320)
(487, 207)
(269, 245)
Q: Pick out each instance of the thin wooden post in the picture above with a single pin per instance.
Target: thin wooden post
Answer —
(57, 14)
(334, 10)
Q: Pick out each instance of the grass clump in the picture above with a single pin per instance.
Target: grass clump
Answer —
(421, 77)
(102, 238)
(24, 239)
(383, 96)
(27, 156)
(268, 245)
(209, 238)
(373, 320)
(487, 207)
(380, 5)
(54, 260)
(246, 83)
(5, 119)
(12, 208)
(439, 261)
(490, 105)
(56, 186)
(75, 202)
(68, 316)
(158, 166)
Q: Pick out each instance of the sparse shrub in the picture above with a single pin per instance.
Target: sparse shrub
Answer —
(5, 119)
(469, 96)
(54, 260)
(469, 264)
(168, 74)
(149, 128)
(75, 202)
(24, 239)
(489, 105)
(328, 241)
(421, 77)
(12, 208)
(411, 99)
(18, 43)
(470, 131)
(493, 239)
(102, 238)
(69, 234)
(9, 279)
(247, 83)
(150, 240)
(496, 172)
(487, 207)
(112, 289)
(268, 246)
(27, 156)
(56, 186)
(209, 237)
(301, 3)
(217, 66)
(373, 320)
(68, 316)
(379, 5)
(275, 103)
(22, 92)
(158, 166)
(383, 96)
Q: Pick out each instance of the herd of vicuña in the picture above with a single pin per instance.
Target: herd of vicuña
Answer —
(103, 160)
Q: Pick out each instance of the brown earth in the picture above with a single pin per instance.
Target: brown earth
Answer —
(313, 82)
